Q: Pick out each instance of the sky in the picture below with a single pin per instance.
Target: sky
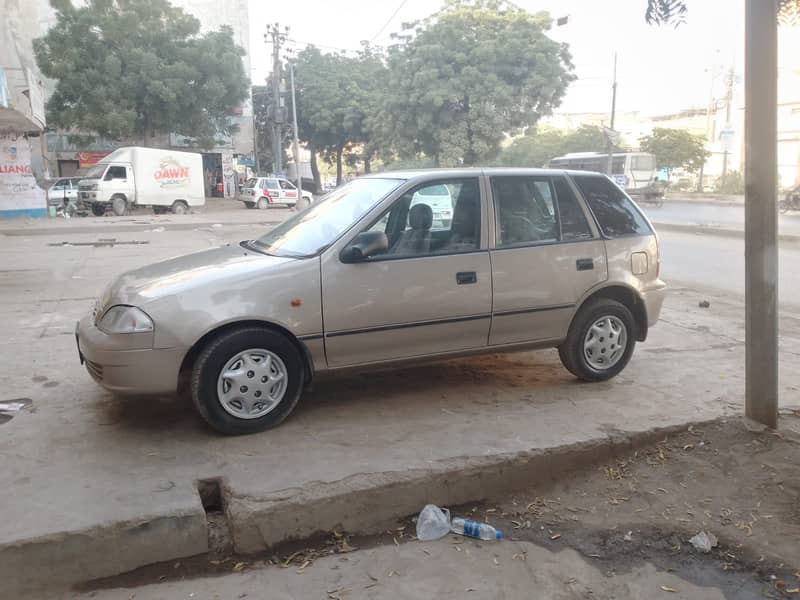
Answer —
(660, 69)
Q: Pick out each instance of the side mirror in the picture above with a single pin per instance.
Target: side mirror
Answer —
(366, 244)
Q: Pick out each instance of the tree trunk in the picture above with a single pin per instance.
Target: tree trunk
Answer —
(315, 169)
(367, 164)
(146, 132)
(339, 152)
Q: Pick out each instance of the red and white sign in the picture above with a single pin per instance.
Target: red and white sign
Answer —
(18, 189)
(88, 158)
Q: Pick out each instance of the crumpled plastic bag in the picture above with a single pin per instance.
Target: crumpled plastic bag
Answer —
(433, 523)
(704, 542)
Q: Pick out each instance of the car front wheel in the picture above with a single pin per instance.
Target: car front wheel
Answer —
(247, 380)
(600, 341)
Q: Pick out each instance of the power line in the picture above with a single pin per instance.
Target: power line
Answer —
(385, 25)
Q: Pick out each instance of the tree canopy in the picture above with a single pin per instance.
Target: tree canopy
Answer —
(134, 68)
(467, 76)
(540, 145)
(675, 148)
(336, 95)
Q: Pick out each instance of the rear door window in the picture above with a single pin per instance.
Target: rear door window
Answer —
(614, 211)
(524, 211)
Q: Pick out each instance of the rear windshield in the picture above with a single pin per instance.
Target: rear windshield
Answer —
(615, 212)
(251, 183)
(645, 162)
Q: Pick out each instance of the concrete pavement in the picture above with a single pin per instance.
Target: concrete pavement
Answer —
(93, 485)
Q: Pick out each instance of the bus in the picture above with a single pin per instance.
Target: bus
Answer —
(635, 172)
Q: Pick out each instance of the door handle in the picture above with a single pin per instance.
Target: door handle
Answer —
(584, 264)
(465, 277)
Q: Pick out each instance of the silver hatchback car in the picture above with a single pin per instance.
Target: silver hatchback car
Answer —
(530, 259)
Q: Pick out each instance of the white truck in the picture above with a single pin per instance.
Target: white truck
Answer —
(167, 180)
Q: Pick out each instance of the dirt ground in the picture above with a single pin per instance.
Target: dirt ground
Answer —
(616, 529)
(722, 478)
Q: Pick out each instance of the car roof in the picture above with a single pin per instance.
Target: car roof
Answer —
(425, 174)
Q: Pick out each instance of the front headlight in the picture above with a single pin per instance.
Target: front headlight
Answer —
(125, 319)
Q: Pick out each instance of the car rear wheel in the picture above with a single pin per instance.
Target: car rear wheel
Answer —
(600, 341)
(119, 205)
(179, 207)
(98, 210)
(247, 380)
(262, 203)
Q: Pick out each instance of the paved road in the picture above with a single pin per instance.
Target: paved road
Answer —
(724, 216)
(718, 262)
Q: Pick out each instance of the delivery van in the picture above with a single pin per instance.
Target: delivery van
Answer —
(167, 180)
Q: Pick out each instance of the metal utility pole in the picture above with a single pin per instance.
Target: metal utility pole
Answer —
(278, 37)
(609, 143)
(728, 101)
(255, 138)
(296, 144)
(761, 212)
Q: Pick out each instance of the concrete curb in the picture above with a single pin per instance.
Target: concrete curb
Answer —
(70, 557)
(363, 503)
(717, 231)
(370, 503)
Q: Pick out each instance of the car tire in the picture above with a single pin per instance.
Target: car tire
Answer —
(262, 203)
(119, 206)
(221, 355)
(587, 348)
(98, 210)
(179, 207)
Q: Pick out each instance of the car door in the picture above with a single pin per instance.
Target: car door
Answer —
(273, 189)
(430, 293)
(288, 191)
(120, 180)
(547, 253)
(58, 192)
(71, 190)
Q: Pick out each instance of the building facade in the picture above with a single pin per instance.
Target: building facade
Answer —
(21, 114)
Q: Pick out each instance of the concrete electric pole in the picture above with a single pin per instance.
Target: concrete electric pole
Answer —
(609, 142)
(761, 211)
(277, 113)
(296, 144)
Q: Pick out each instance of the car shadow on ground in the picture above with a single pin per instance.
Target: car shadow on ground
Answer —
(455, 385)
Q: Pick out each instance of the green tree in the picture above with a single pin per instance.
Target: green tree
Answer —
(135, 68)
(675, 148)
(336, 94)
(540, 145)
(470, 74)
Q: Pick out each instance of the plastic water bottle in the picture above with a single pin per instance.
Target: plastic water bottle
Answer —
(482, 531)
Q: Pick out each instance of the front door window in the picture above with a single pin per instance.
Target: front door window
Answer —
(441, 217)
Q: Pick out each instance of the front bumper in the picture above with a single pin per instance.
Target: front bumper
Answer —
(117, 364)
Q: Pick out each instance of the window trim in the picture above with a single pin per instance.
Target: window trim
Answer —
(594, 230)
(411, 190)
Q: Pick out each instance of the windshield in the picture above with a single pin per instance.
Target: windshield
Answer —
(96, 172)
(251, 183)
(308, 232)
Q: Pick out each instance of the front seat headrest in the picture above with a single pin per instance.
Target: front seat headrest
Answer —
(420, 216)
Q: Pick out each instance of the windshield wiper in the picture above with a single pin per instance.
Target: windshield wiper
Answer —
(249, 245)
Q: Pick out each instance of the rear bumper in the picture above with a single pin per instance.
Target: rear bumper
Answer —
(653, 300)
(145, 371)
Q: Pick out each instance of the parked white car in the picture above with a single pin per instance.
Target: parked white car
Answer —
(62, 191)
(261, 192)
